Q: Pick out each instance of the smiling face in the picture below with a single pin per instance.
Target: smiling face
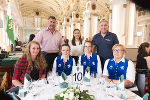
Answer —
(77, 34)
(118, 52)
(52, 24)
(104, 27)
(34, 49)
(65, 51)
(87, 48)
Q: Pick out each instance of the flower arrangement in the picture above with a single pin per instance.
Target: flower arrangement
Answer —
(74, 94)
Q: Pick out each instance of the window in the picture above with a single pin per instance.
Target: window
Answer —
(37, 21)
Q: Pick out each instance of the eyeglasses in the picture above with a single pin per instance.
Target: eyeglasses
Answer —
(115, 50)
(87, 46)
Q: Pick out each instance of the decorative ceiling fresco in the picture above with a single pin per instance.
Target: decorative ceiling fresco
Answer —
(61, 8)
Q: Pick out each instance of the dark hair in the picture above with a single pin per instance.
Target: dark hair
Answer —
(66, 41)
(65, 45)
(73, 40)
(51, 17)
(31, 37)
(141, 49)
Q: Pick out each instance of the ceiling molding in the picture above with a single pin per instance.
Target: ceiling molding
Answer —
(61, 8)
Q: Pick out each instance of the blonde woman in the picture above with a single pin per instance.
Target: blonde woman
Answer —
(118, 66)
(90, 59)
(32, 62)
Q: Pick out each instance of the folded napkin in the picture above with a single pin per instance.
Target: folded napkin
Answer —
(27, 81)
(145, 97)
(63, 84)
(86, 77)
(120, 85)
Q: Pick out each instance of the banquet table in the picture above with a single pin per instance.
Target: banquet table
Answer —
(9, 61)
(46, 89)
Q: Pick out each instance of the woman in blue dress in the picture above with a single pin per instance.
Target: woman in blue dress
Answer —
(63, 63)
(90, 60)
(118, 66)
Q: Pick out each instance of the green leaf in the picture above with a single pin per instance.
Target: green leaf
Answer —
(63, 85)
(64, 76)
(57, 97)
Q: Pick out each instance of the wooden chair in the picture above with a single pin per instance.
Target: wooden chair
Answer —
(3, 84)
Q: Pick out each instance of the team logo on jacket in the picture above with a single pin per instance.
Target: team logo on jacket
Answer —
(69, 66)
(93, 63)
(122, 67)
(84, 63)
(110, 67)
(108, 40)
(59, 65)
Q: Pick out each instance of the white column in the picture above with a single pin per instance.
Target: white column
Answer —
(72, 28)
(94, 24)
(58, 25)
(17, 32)
(64, 27)
(118, 20)
(87, 22)
(68, 35)
(145, 35)
(5, 39)
(131, 24)
(81, 29)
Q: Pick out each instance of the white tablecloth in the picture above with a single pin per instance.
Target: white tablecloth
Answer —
(41, 90)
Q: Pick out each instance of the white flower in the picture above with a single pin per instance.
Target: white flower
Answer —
(61, 94)
(77, 97)
(66, 96)
(77, 90)
(71, 95)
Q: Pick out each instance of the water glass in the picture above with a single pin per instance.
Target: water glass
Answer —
(93, 75)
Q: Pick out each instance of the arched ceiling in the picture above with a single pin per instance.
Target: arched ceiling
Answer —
(60, 8)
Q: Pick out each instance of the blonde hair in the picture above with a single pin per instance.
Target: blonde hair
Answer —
(119, 45)
(103, 20)
(40, 62)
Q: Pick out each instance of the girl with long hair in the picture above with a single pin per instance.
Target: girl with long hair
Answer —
(32, 62)
(142, 66)
(76, 45)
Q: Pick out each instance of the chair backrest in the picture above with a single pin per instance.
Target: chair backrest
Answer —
(3, 84)
(145, 97)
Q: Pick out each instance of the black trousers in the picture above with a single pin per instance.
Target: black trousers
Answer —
(76, 58)
(140, 80)
(49, 57)
(103, 61)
